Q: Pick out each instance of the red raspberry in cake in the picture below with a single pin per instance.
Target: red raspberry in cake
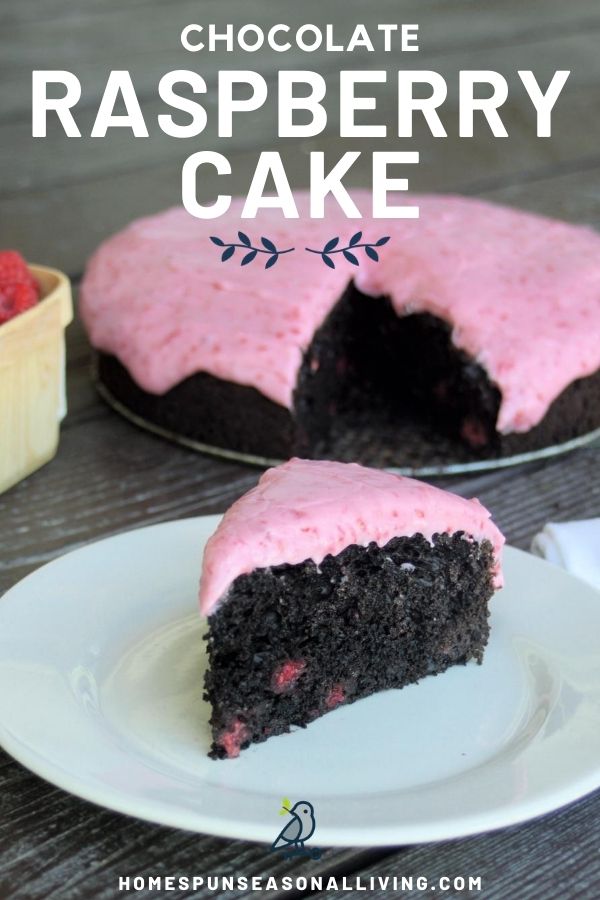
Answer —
(232, 739)
(335, 696)
(473, 432)
(18, 288)
(287, 674)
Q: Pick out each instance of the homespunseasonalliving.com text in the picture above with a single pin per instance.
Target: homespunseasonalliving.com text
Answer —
(316, 883)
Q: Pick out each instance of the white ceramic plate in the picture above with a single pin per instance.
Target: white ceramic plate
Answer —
(101, 662)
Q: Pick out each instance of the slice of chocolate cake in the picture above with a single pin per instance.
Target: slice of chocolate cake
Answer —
(330, 581)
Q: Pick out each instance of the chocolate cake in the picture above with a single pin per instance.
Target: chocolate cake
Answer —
(477, 331)
(330, 581)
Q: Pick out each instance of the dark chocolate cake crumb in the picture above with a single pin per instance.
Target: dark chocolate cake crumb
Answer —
(292, 642)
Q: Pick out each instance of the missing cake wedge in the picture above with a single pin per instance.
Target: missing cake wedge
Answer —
(328, 582)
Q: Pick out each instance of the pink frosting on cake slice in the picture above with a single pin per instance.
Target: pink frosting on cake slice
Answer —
(307, 509)
(521, 293)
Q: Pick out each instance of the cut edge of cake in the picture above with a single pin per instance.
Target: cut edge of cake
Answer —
(329, 582)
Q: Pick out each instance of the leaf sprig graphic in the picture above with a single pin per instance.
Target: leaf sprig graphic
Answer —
(285, 806)
(251, 252)
(331, 247)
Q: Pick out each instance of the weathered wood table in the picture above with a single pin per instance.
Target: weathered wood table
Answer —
(59, 197)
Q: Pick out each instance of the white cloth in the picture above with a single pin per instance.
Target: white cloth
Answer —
(573, 545)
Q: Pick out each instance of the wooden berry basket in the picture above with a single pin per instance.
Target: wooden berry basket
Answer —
(32, 379)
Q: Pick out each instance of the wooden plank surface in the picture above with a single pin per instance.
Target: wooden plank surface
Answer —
(517, 862)
(60, 197)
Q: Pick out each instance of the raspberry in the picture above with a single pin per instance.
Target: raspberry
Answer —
(13, 267)
(473, 432)
(18, 288)
(335, 696)
(232, 738)
(287, 674)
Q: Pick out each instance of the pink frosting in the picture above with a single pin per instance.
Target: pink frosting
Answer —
(306, 509)
(521, 292)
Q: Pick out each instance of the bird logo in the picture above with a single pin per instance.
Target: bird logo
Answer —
(297, 831)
